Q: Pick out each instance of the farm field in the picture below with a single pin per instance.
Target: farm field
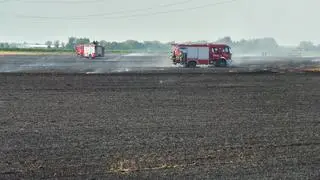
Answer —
(168, 125)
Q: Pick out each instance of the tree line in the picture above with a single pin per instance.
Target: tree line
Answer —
(126, 45)
(240, 46)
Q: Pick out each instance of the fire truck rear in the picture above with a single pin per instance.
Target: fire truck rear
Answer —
(191, 55)
(91, 50)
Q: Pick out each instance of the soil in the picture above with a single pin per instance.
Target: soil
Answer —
(157, 125)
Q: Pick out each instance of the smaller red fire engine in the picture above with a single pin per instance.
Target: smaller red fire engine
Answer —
(91, 50)
(191, 55)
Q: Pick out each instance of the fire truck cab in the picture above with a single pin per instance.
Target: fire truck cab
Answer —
(191, 55)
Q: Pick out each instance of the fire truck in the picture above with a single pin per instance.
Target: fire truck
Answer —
(191, 55)
(90, 50)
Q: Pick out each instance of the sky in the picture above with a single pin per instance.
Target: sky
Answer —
(288, 21)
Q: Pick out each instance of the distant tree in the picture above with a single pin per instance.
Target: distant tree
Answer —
(6, 45)
(71, 42)
(258, 45)
(226, 40)
(63, 45)
(114, 45)
(104, 43)
(306, 46)
(254, 45)
(82, 41)
(155, 45)
(132, 44)
(56, 44)
(48, 43)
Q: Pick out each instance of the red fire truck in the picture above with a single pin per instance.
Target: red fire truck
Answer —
(191, 55)
(91, 50)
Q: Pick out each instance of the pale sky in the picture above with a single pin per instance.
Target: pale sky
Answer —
(288, 21)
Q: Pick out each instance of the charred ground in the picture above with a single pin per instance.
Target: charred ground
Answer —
(181, 126)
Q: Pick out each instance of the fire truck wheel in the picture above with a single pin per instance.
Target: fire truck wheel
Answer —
(221, 63)
(224, 63)
(192, 64)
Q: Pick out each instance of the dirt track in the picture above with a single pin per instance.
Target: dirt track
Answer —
(181, 126)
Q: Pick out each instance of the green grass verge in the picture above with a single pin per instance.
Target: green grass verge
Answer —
(32, 53)
(34, 50)
(38, 51)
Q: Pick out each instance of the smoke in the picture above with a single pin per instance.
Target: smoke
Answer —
(136, 54)
(133, 62)
(162, 61)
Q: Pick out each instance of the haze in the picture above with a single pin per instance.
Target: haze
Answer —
(287, 21)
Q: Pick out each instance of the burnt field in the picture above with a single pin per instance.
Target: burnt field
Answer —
(157, 125)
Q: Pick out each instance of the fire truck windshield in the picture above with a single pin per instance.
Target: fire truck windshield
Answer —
(227, 49)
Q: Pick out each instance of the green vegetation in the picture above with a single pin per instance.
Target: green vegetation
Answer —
(267, 46)
(49, 51)
(125, 46)
(37, 50)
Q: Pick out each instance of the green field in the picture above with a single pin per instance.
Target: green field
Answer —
(52, 51)
(33, 51)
